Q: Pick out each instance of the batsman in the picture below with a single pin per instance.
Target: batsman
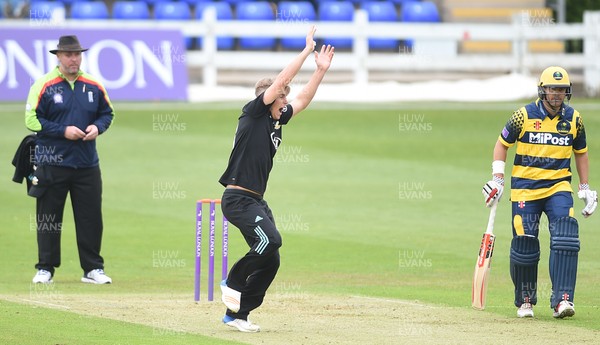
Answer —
(547, 133)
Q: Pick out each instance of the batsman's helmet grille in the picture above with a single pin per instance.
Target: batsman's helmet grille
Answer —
(554, 76)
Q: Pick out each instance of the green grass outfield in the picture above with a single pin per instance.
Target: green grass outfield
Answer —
(382, 201)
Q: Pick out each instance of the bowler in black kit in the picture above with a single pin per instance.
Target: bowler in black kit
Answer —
(258, 135)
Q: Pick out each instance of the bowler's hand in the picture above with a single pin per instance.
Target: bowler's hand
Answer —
(74, 133)
(91, 133)
(323, 59)
(310, 39)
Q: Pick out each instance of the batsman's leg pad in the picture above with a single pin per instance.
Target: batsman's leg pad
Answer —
(564, 251)
(524, 258)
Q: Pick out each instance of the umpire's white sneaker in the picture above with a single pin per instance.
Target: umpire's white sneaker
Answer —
(241, 325)
(230, 297)
(526, 310)
(42, 277)
(564, 309)
(96, 276)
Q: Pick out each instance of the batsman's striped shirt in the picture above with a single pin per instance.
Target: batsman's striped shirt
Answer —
(545, 144)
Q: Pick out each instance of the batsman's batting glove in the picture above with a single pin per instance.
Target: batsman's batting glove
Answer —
(492, 191)
(589, 197)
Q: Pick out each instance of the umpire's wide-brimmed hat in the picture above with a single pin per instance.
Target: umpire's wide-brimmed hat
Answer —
(68, 44)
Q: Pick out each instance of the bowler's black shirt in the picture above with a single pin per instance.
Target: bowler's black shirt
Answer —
(257, 138)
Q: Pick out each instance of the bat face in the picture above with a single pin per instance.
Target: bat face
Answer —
(482, 268)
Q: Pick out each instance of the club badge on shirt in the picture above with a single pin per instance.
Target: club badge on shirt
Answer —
(57, 98)
(563, 127)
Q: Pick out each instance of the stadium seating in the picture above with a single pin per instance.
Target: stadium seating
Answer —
(130, 10)
(255, 10)
(234, 2)
(45, 10)
(70, 2)
(419, 12)
(342, 11)
(295, 12)
(171, 10)
(174, 10)
(399, 3)
(500, 11)
(224, 12)
(381, 11)
(89, 10)
(152, 3)
(194, 3)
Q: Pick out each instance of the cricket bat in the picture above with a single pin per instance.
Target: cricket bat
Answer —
(483, 265)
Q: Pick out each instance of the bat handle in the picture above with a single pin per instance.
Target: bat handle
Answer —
(490, 226)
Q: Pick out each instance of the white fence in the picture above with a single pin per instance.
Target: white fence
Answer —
(435, 45)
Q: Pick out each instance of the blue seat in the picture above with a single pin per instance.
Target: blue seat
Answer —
(295, 12)
(399, 3)
(151, 3)
(381, 11)
(44, 10)
(130, 10)
(255, 10)
(224, 12)
(89, 10)
(234, 3)
(337, 11)
(194, 3)
(174, 10)
(419, 12)
(70, 2)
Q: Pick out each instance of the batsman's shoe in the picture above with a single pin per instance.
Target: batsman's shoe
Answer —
(564, 309)
(230, 297)
(42, 277)
(96, 276)
(525, 310)
(241, 325)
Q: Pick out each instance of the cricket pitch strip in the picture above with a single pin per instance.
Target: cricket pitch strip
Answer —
(320, 319)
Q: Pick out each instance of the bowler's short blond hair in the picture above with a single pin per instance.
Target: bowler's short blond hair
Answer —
(263, 84)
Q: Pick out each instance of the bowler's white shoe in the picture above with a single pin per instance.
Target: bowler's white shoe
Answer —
(241, 325)
(96, 276)
(526, 310)
(564, 309)
(230, 297)
(42, 277)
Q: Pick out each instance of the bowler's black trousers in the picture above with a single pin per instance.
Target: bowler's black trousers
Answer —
(85, 188)
(252, 274)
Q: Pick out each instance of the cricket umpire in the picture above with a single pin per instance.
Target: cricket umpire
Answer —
(68, 109)
(257, 138)
(547, 132)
